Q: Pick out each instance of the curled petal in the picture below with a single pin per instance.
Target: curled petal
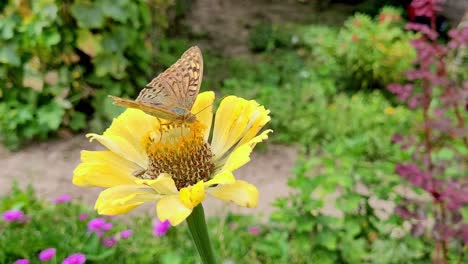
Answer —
(172, 209)
(164, 184)
(232, 121)
(122, 199)
(193, 195)
(225, 177)
(241, 193)
(241, 155)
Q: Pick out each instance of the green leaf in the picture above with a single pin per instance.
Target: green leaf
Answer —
(8, 54)
(354, 250)
(112, 64)
(349, 202)
(115, 9)
(78, 121)
(88, 15)
(50, 116)
(89, 43)
(327, 239)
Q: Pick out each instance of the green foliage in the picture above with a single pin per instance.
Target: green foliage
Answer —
(267, 36)
(332, 213)
(60, 60)
(375, 52)
(58, 225)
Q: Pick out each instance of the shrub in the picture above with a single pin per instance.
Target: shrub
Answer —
(60, 60)
(331, 215)
(439, 144)
(374, 52)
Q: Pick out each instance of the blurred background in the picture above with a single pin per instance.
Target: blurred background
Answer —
(336, 178)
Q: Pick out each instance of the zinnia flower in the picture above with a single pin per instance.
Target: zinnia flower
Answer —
(47, 254)
(77, 258)
(13, 215)
(175, 164)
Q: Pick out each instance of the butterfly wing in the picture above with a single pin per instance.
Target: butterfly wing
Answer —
(178, 86)
(147, 108)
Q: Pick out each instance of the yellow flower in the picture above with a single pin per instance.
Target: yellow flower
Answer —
(176, 164)
(390, 111)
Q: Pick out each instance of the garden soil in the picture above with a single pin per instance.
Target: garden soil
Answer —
(49, 166)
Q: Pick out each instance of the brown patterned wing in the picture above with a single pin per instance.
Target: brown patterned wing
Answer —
(178, 86)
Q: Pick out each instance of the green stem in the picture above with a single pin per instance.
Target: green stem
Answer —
(197, 226)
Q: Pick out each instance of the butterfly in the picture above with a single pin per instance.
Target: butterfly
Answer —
(171, 94)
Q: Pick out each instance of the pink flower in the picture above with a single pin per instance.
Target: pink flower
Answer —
(83, 217)
(126, 233)
(13, 216)
(77, 258)
(62, 199)
(21, 261)
(98, 226)
(109, 242)
(254, 230)
(161, 228)
(47, 254)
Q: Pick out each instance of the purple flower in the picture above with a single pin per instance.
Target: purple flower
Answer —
(161, 228)
(77, 258)
(98, 226)
(65, 198)
(107, 226)
(83, 217)
(47, 254)
(13, 215)
(254, 230)
(21, 261)
(126, 233)
(109, 242)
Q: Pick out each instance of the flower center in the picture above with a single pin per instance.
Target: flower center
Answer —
(181, 151)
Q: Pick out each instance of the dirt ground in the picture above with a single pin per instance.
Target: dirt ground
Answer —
(49, 168)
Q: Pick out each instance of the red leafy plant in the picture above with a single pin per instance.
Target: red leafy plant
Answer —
(440, 149)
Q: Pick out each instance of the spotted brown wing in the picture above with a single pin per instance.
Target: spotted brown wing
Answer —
(177, 87)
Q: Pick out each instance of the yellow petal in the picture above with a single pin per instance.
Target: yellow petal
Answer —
(203, 109)
(241, 193)
(122, 199)
(164, 184)
(225, 177)
(172, 209)
(236, 120)
(241, 155)
(128, 135)
(259, 119)
(103, 169)
(193, 195)
(121, 147)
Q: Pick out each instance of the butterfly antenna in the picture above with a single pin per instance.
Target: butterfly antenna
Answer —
(209, 106)
(203, 109)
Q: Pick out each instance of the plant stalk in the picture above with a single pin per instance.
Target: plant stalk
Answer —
(198, 229)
